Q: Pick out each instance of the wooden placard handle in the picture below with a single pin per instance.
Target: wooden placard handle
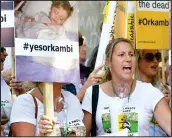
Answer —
(49, 104)
(13, 71)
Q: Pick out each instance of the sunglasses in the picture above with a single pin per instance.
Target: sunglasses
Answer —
(81, 40)
(150, 57)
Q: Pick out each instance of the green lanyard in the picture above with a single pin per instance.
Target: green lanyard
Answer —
(129, 91)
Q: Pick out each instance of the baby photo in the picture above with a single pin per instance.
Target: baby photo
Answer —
(7, 24)
(47, 41)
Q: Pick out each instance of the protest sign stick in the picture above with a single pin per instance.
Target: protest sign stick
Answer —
(107, 30)
(163, 65)
(13, 57)
(13, 71)
(49, 104)
(19, 5)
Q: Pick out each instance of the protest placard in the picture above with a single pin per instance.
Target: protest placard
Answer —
(7, 23)
(131, 5)
(152, 24)
(107, 30)
(47, 48)
(120, 29)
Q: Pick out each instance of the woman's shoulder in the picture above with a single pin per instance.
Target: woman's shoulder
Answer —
(23, 110)
(144, 84)
(148, 88)
(101, 88)
(25, 96)
(25, 99)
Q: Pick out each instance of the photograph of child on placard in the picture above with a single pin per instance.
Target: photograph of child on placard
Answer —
(56, 22)
(7, 24)
(43, 26)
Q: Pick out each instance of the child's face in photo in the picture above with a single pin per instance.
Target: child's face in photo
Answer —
(58, 16)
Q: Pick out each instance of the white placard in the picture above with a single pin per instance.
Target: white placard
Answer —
(7, 18)
(107, 32)
(46, 48)
(162, 6)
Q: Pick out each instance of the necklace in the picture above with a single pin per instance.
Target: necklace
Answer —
(129, 90)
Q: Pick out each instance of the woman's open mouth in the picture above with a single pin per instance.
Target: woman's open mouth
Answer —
(127, 69)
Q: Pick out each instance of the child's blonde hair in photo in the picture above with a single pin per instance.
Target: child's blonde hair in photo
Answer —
(65, 5)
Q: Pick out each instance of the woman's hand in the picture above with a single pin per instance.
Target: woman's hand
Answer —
(17, 86)
(17, 14)
(46, 125)
(167, 93)
(93, 79)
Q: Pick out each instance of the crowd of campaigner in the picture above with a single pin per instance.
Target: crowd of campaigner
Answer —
(85, 102)
(147, 93)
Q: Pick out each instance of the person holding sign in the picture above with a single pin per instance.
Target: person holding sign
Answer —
(147, 71)
(92, 76)
(6, 100)
(136, 99)
(6, 75)
(28, 109)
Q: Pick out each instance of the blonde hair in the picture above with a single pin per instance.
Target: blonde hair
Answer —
(155, 79)
(109, 52)
(65, 5)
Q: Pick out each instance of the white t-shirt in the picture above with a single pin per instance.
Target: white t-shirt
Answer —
(6, 101)
(155, 130)
(23, 109)
(142, 102)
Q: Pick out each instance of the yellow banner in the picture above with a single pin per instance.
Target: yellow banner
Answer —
(120, 20)
(152, 25)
